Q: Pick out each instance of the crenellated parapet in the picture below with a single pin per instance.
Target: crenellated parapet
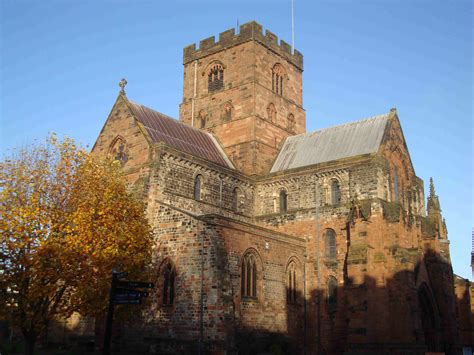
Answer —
(248, 31)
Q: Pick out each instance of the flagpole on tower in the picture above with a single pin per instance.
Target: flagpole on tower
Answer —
(292, 28)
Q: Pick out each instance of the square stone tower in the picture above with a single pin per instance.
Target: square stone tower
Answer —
(247, 90)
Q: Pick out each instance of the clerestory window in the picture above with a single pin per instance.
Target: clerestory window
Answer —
(330, 241)
(335, 192)
(283, 201)
(198, 187)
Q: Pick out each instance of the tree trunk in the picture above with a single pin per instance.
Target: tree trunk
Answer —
(30, 340)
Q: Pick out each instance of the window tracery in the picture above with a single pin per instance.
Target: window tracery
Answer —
(249, 276)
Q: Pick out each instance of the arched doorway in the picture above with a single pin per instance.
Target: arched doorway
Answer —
(429, 317)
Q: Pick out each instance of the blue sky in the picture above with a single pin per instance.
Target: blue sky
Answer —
(61, 62)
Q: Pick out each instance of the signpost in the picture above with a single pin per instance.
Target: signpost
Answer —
(122, 293)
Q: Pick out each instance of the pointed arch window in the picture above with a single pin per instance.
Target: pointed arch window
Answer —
(118, 150)
(335, 192)
(395, 183)
(215, 78)
(202, 118)
(278, 74)
(249, 276)
(271, 112)
(169, 278)
(291, 283)
(198, 188)
(227, 111)
(330, 241)
(332, 294)
(283, 201)
(291, 122)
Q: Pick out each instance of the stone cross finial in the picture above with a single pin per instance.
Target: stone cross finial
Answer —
(122, 85)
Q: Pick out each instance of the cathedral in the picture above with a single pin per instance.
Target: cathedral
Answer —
(272, 239)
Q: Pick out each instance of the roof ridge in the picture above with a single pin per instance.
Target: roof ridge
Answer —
(342, 125)
(171, 118)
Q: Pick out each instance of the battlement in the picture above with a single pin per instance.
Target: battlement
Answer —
(248, 31)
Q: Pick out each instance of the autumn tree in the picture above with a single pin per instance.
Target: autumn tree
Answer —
(66, 220)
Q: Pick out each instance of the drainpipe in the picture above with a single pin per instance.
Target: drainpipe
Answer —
(194, 93)
(304, 303)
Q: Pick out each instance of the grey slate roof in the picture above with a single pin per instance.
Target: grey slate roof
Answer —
(344, 141)
(162, 128)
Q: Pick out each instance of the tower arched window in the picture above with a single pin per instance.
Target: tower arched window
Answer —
(278, 75)
(227, 111)
(335, 192)
(271, 112)
(198, 188)
(332, 294)
(249, 276)
(291, 283)
(169, 278)
(291, 122)
(283, 201)
(202, 118)
(330, 241)
(215, 79)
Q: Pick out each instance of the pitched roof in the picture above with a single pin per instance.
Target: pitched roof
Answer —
(344, 141)
(162, 128)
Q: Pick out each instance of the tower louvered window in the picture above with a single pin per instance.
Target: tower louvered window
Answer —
(278, 74)
(215, 78)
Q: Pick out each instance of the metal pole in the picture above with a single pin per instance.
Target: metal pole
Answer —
(110, 315)
(304, 304)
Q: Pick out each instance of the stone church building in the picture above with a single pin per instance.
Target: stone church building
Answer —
(272, 239)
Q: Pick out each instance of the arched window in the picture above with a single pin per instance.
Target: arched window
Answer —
(335, 192)
(215, 79)
(169, 277)
(271, 112)
(197, 187)
(249, 276)
(291, 283)
(283, 201)
(278, 74)
(330, 244)
(118, 150)
(332, 294)
(291, 122)
(227, 111)
(395, 183)
(235, 199)
(202, 118)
